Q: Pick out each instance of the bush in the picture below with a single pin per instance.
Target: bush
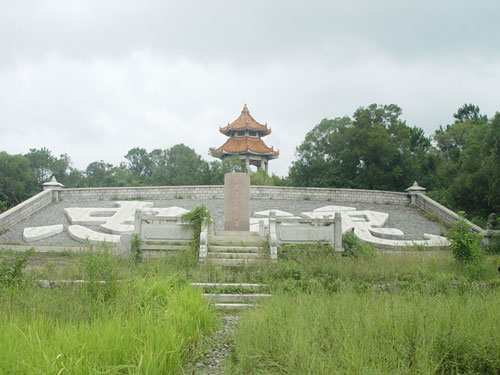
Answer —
(354, 248)
(11, 271)
(135, 245)
(466, 246)
(99, 273)
(195, 218)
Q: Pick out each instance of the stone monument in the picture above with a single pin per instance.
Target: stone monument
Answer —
(236, 202)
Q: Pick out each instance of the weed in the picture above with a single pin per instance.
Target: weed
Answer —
(195, 218)
(354, 248)
(11, 272)
(99, 273)
(3, 231)
(307, 198)
(135, 244)
(466, 246)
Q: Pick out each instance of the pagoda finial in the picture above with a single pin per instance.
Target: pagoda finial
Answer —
(245, 109)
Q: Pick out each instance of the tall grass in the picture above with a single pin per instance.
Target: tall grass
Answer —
(364, 333)
(150, 327)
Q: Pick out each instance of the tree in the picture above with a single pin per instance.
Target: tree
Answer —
(17, 180)
(373, 150)
(139, 162)
(45, 165)
(184, 166)
(467, 160)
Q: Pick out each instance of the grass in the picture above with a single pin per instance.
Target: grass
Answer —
(141, 325)
(330, 314)
(365, 333)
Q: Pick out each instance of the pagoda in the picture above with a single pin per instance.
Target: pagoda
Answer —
(245, 140)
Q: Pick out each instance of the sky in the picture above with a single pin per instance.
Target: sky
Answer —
(96, 78)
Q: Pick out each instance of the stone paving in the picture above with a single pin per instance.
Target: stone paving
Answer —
(112, 218)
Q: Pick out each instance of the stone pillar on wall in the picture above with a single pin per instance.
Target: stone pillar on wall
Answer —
(413, 191)
(55, 186)
(237, 201)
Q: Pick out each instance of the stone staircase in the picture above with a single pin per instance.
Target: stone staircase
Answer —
(234, 296)
(233, 248)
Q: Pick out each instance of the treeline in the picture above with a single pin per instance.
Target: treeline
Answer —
(374, 149)
(22, 176)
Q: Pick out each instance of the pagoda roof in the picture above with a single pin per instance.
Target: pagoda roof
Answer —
(245, 121)
(242, 145)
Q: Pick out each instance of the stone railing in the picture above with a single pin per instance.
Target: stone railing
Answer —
(217, 192)
(25, 209)
(441, 213)
(300, 230)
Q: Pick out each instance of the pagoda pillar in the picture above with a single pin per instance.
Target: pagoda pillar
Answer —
(266, 163)
(247, 160)
(262, 163)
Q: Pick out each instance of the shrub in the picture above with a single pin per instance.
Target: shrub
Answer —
(353, 247)
(466, 246)
(11, 271)
(195, 219)
(135, 244)
(99, 273)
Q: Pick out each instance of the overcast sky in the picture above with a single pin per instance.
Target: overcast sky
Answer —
(94, 79)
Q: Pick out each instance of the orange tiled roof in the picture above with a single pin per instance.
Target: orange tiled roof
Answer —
(245, 121)
(239, 145)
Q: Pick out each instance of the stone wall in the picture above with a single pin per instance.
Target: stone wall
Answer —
(217, 192)
(335, 195)
(440, 212)
(25, 209)
(143, 192)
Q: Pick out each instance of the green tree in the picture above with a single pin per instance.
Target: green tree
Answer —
(45, 165)
(373, 150)
(17, 180)
(467, 169)
(185, 167)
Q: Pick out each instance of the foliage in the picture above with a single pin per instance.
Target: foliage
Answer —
(11, 271)
(16, 179)
(261, 178)
(353, 247)
(466, 246)
(373, 150)
(195, 219)
(135, 244)
(3, 206)
(152, 327)
(99, 273)
(366, 333)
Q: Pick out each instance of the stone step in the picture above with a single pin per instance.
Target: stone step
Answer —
(237, 255)
(234, 249)
(165, 247)
(230, 285)
(235, 298)
(231, 262)
(238, 240)
(238, 233)
(233, 306)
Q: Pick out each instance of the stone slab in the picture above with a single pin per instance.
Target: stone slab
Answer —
(236, 201)
(82, 234)
(39, 233)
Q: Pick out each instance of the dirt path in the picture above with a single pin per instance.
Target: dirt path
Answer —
(212, 359)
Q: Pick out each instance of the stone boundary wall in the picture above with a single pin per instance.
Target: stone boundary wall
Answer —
(25, 209)
(442, 213)
(335, 195)
(217, 192)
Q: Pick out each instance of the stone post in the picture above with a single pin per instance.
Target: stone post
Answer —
(273, 236)
(55, 186)
(413, 191)
(237, 202)
(337, 222)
